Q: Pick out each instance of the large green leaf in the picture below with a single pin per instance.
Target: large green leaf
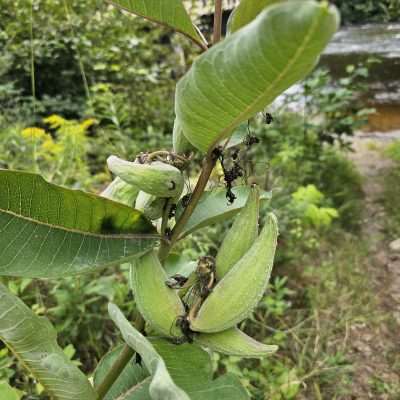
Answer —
(48, 231)
(245, 72)
(246, 11)
(190, 367)
(33, 340)
(171, 13)
(213, 207)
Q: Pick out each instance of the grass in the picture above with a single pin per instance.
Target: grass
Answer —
(391, 201)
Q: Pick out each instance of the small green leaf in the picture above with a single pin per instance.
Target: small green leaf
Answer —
(246, 11)
(171, 13)
(213, 207)
(162, 386)
(48, 231)
(33, 340)
(244, 73)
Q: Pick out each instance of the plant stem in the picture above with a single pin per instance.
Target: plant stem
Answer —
(208, 166)
(217, 21)
(115, 371)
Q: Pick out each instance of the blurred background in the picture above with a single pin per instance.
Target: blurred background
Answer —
(80, 80)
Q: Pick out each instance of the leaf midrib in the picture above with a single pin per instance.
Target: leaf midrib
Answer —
(84, 233)
(238, 119)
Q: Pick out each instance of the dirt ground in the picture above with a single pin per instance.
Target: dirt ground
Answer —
(375, 350)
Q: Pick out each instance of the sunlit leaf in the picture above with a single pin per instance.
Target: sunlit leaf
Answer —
(246, 11)
(33, 340)
(171, 13)
(244, 73)
(48, 231)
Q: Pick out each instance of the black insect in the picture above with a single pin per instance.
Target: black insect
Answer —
(185, 200)
(176, 281)
(268, 118)
(138, 359)
(235, 154)
(230, 175)
(250, 139)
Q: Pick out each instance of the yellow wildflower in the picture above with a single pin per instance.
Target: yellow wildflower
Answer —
(51, 147)
(33, 133)
(55, 121)
(87, 123)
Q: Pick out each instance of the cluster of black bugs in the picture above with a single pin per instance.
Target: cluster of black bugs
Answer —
(268, 118)
(250, 139)
(231, 174)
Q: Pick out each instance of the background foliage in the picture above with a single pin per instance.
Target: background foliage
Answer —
(104, 83)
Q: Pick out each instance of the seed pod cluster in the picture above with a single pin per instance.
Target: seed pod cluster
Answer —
(219, 294)
(239, 291)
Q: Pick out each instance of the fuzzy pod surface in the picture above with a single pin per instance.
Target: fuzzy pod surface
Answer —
(159, 305)
(240, 290)
(157, 178)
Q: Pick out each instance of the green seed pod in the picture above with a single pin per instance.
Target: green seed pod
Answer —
(241, 236)
(239, 291)
(151, 206)
(234, 342)
(120, 191)
(160, 306)
(157, 178)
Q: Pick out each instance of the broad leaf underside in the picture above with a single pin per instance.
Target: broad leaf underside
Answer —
(33, 340)
(48, 231)
(245, 72)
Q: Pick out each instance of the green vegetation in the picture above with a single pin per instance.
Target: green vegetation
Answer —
(392, 190)
(103, 83)
(369, 11)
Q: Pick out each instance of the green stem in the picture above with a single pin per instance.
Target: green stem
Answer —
(208, 166)
(126, 355)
